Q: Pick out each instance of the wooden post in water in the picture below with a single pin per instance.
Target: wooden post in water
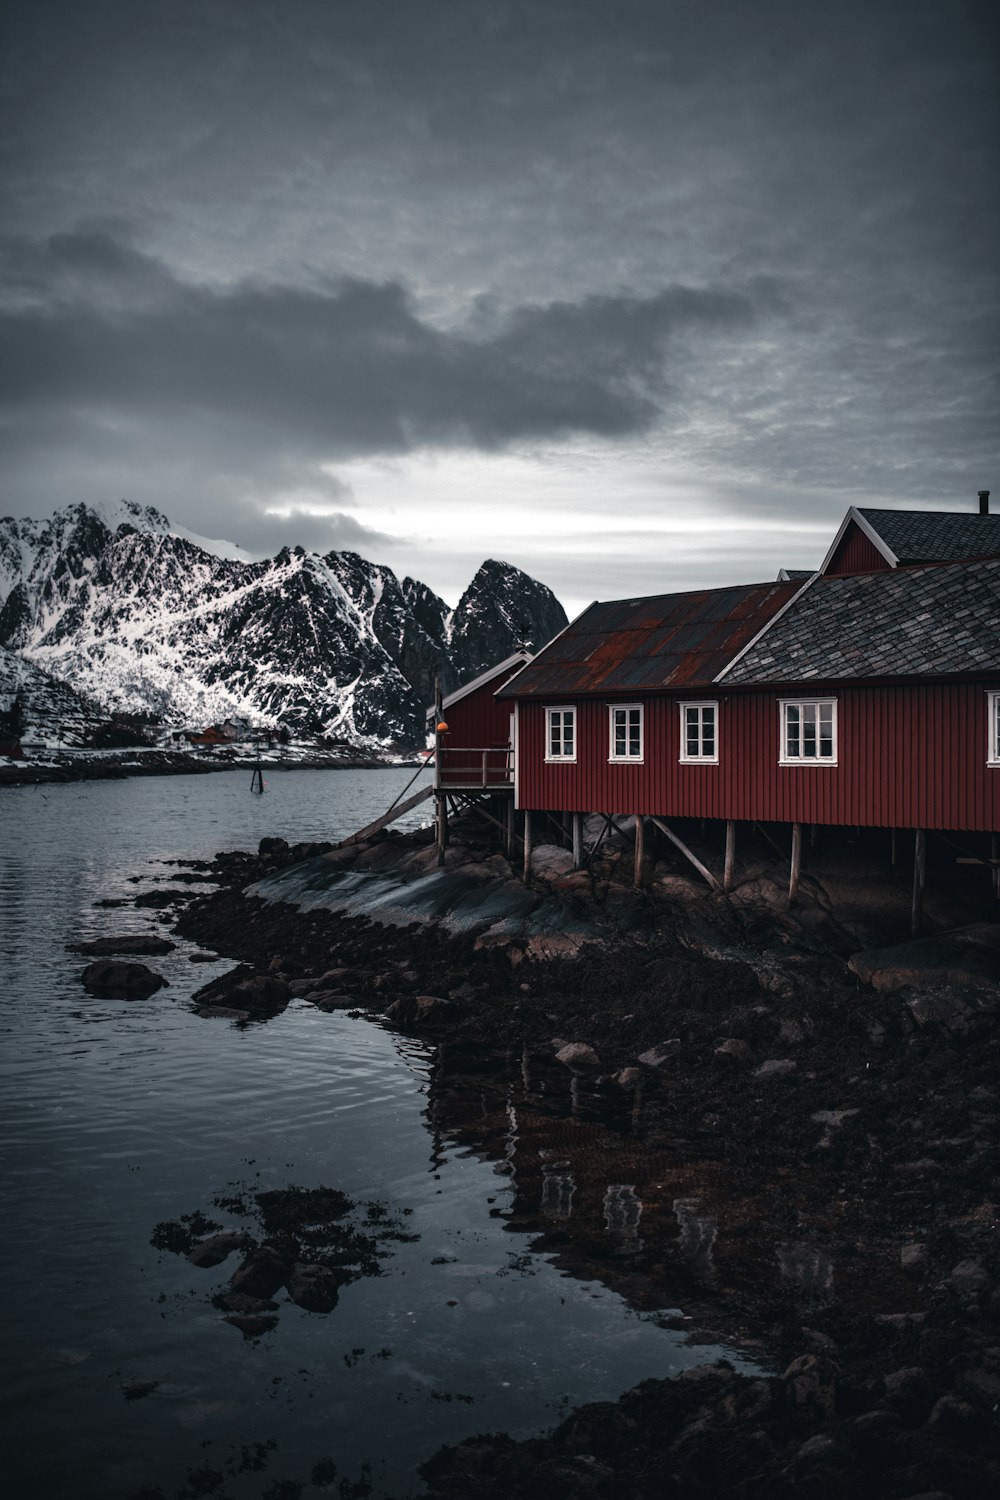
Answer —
(440, 805)
(919, 877)
(793, 882)
(640, 848)
(527, 845)
(727, 875)
(577, 841)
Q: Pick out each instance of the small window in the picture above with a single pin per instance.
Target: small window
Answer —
(560, 734)
(626, 731)
(699, 733)
(993, 721)
(808, 732)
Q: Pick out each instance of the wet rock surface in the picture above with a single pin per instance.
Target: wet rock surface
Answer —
(110, 979)
(858, 1122)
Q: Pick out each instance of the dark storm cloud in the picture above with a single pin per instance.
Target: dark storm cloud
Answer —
(219, 208)
(338, 372)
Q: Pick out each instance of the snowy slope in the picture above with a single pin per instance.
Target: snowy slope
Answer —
(144, 620)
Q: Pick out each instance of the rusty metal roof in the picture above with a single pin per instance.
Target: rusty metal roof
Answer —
(640, 645)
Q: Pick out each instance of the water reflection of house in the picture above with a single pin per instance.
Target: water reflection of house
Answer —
(605, 1202)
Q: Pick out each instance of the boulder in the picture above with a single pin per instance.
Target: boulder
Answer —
(213, 1251)
(313, 1287)
(135, 943)
(811, 1386)
(776, 1067)
(578, 1057)
(263, 1271)
(112, 980)
(967, 955)
(734, 1047)
(549, 862)
(655, 1057)
(629, 1078)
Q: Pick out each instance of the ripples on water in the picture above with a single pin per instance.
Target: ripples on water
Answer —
(117, 1115)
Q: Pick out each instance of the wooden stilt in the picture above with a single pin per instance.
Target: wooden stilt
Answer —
(892, 847)
(441, 803)
(919, 877)
(577, 841)
(727, 877)
(796, 870)
(640, 848)
(703, 870)
(508, 819)
(527, 844)
(995, 857)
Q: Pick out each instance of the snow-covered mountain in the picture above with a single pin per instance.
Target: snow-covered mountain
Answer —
(144, 619)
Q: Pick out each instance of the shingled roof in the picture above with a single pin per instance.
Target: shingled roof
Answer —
(918, 536)
(669, 640)
(914, 622)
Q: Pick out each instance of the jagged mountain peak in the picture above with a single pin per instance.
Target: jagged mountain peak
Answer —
(144, 618)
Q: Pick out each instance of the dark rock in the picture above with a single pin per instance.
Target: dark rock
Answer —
(876, 1432)
(214, 1250)
(913, 1256)
(111, 980)
(272, 846)
(968, 1280)
(776, 1067)
(202, 958)
(956, 1418)
(136, 1388)
(138, 943)
(966, 955)
(735, 1048)
(578, 1057)
(981, 1386)
(314, 1287)
(263, 1271)
(811, 1386)
(223, 1012)
(656, 1057)
(263, 990)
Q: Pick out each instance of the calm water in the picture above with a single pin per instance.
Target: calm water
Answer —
(115, 1116)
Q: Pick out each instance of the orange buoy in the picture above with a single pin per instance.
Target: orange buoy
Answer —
(441, 728)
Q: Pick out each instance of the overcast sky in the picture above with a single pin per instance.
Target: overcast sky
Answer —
(635, 294)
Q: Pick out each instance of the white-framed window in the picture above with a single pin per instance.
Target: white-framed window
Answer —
(808, 732)
(625, 724)
(560, 733)
(993, 725)
(700, 733)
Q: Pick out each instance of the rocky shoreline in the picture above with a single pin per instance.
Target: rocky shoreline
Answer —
(119, 767)
(857, 1121)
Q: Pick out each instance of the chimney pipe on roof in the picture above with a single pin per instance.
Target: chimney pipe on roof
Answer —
(984, 502)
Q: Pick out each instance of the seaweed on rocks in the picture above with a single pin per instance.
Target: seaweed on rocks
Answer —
(309, 1242)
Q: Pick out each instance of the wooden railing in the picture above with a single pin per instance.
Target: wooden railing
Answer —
(475, 765)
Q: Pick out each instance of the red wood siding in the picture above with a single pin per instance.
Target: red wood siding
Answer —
(908, 757)
(475, 723)
(857, 553)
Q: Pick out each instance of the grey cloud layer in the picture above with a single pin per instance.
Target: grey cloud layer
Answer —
(593, 205)
(340, 372)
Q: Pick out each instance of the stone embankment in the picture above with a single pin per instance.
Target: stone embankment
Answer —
(857, 1117)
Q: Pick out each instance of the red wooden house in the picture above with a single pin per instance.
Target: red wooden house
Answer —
(474, 748)
(869, 694)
